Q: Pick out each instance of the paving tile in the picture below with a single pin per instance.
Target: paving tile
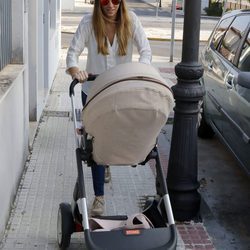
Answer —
(50, 175)
(51, 181)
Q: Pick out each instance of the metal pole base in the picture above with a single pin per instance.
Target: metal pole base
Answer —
(186, 205)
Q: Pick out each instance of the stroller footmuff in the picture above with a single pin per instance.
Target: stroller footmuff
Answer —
(125, 111)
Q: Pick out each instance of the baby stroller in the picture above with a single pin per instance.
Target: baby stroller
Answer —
(126, 108)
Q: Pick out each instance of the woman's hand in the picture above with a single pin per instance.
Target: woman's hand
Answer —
(81, 76)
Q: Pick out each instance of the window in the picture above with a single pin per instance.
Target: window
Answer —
(5, 33)
(220, 31)
(232, 38)
(52, 13)
(244, 60)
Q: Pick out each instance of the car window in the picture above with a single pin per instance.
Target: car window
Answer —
(244, 60)
(219, 32)
(232, 38)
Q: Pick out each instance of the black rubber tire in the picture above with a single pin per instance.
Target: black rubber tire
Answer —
(204, 130)
(66, 225)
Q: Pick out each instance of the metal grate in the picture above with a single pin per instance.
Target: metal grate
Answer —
(5, 33)
(56, 113)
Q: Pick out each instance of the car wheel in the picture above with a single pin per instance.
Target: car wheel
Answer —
(65, 225)
(204, 130)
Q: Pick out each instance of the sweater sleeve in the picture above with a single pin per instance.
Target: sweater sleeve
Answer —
(78, 43)
(140, 40)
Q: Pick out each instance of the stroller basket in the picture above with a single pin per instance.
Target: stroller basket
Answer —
(155, 238)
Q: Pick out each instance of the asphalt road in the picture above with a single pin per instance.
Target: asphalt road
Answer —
(159, 48)
(225, 188)
(225, 192)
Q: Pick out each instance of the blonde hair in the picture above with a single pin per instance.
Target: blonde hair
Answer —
(123, 28)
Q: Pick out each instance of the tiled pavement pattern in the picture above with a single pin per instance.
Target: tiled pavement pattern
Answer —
(193, 234)
(50, 174)
(49, 178)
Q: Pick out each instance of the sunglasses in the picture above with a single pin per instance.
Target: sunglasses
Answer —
(106, 2)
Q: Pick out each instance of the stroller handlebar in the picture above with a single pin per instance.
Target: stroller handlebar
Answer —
(75, 82)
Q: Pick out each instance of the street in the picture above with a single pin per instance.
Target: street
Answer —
(225, 190)
(159, 48)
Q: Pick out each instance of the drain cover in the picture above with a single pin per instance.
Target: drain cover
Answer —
(56, 113)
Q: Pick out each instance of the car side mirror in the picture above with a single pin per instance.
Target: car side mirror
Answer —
(243, 79)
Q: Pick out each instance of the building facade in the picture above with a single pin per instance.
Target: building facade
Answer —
(30, 41)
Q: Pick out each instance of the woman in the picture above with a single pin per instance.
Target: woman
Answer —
(109, 33)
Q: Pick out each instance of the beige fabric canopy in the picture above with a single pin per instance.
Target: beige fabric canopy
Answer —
(125, 111)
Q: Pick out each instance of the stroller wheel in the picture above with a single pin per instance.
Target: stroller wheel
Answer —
(65, 225)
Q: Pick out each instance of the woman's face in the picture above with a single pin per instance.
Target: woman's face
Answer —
(110, 7)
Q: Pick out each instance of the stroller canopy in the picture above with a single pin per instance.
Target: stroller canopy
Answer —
(125, 111)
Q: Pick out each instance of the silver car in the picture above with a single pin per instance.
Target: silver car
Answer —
(226, 104)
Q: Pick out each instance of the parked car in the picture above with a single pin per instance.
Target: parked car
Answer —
(226, 104)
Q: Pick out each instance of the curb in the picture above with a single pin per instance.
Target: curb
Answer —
(149, 38)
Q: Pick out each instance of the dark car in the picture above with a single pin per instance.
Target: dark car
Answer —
(226, 104)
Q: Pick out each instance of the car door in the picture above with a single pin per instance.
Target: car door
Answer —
(227, 109)
(215, 70)
(236, 128)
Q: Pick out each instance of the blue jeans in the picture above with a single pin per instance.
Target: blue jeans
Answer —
(98, 171)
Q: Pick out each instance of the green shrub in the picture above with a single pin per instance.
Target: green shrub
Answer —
(214, 9)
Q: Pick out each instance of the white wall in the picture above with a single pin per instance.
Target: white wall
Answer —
(13, 139)
(54, 40)
(24, 88)
(33, 58)
(44, 52)
(14, 120)
(68, 5)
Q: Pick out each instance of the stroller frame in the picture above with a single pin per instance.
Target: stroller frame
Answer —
(68, 222)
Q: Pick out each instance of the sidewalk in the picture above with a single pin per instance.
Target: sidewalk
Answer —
(50, 175)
